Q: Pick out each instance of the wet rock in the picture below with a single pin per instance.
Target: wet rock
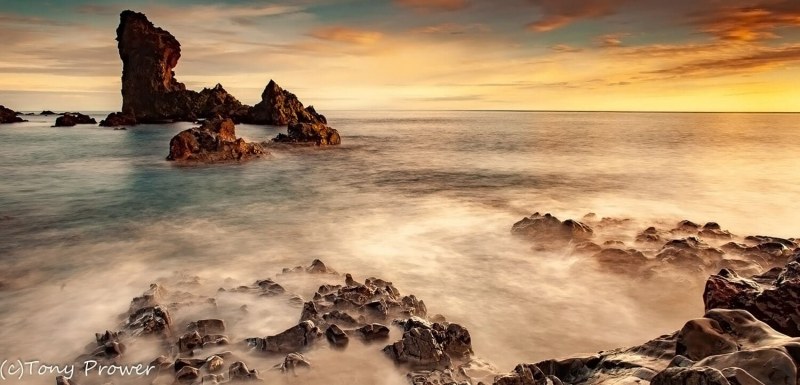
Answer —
(587, 247)
(339, 317)
(690, 253)
(214, 363)
(293, 339)
(207, 326)
(523, 374)
(690, 376)
(214, 141)
(292, 362)
(108, 346)
(649, 235)
(336, 336)
(8, 115)
(117, 119)
(70, 119)
(187, 374)
(620, 260)
(280, 107)
(309, 312)
(759, 239)
(702, 338)
(316, 133)
(318, 267)
(61, 380)
(190, 341)
(770, 366)
(686, 226)
(777, 302)
(373, 332)
(238, 371)
(713, 230)
(154, 320)
(195, 363)
(549, 229)
(419, 349)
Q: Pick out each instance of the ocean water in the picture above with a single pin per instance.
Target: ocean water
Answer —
(90, 216)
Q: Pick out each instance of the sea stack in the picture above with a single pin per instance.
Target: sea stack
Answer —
(152, 94)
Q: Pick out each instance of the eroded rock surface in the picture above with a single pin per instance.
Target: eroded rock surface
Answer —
(214, 141)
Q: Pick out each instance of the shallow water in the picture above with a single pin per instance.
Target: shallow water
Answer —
(90, 216)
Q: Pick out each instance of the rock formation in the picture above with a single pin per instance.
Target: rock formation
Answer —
(152, 94)
(8, 115)
(69, 119)
(214, 141)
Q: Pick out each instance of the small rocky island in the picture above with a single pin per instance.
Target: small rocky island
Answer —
(8, 115)
(214, 141)
(69, 119)
(152, 94)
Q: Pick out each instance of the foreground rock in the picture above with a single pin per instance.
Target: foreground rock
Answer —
(152, 94)
(547, 229)
(8, 115)
(214, 141)
(70, 119)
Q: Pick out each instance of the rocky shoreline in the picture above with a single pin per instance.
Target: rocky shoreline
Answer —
(749, 334)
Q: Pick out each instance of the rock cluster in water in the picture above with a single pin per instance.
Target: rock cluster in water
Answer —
(152, 94)
(214, 141)
(69, 119)
(8, 115)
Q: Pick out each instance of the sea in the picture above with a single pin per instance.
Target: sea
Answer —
(90, 216)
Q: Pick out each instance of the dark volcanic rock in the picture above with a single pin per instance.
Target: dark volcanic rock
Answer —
(214, 141)
(549, 229)
(316, 133)
(70, 119)
(776, 302)
(8, 115)
(116, 119)
(280, 107)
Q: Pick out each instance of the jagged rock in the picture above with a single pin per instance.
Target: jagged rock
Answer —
(8, 115)
(339, 317)
(196, 363)
(690, 253)
(214, 141)
(190, 341)
(336, 336)
(187, 374)
(153, 320)
(523, 374)
(309, 312)
(207, 326)
(238, 371)
(775, 302)
(549, 229)
(293, 339)
(70, 119)
(419, 349)
(61, 380)
(280, 107)
(292, 362)
(317, 133)
(214, 363)
(690, 376)
(373, 332)
(117, 119)
(108, 345)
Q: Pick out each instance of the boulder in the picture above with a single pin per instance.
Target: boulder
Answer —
(118, 119)
(316, 133)
(336, 336)
(291, 340)
(214, 141)
(238, 371)
(8, 115)
(70, 119)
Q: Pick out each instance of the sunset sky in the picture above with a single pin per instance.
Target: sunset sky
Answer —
(652, 55)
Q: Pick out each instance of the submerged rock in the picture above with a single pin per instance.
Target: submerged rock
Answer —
(117, 119)
(8, 115)
(214, 141)
(70, 119)
(291, 340)
(549, 229)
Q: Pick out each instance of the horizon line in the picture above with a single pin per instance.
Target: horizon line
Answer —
(495, 110)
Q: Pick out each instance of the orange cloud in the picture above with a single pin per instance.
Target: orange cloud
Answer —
(758, 60)
(559, 13)
(453, 29)
(612, 39)
(347, 35)
(434, 5)
(749, 24)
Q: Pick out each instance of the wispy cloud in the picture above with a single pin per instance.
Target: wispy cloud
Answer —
(344, 34)
(559, 13)
(434, 5)
(453, 28)
(749, 23)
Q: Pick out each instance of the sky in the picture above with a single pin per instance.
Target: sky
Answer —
(584, 55)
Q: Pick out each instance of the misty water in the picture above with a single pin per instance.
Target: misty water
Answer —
(89, 217)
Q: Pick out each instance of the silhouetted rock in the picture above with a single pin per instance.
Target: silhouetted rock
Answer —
(48, 113)
(8, 115)
(70, 119)
(280, 107)
(316, 133)
(116, 119)
(214, 141)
